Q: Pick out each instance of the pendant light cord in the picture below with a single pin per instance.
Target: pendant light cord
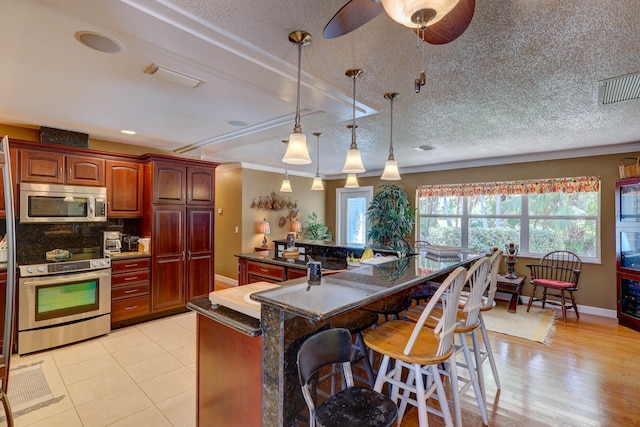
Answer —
(353, 122)
(391, 133)
(296, 127)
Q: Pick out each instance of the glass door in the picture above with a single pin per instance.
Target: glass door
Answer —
(629, 203)
(351, 215)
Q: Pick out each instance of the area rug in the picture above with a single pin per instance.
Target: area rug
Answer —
(536, 325)
(29, 390)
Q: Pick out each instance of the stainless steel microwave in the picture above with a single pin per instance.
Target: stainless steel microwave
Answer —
(54, 203)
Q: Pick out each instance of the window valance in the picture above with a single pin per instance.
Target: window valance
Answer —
(533, 186)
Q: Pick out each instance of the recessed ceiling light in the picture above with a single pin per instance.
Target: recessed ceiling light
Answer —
(99, 42)
(422, 148)
(128, 132)
(237, 123)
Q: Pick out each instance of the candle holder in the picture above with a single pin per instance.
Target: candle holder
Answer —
(511, 255)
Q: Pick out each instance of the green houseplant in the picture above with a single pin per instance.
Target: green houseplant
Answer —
(391, 218)
(315, 229)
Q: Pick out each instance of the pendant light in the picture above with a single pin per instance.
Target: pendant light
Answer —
(353, 162)
(317, 181)
(352, 181)
(418, 13)
(390, 172)
(297, 153)
(286, 184)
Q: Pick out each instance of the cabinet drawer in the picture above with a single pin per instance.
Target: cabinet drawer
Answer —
(128, 308)
(131, 264)
(130, 278)
(266, 270)
(130, 291)
(255, 279)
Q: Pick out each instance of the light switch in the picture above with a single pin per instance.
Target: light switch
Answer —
(220, 211)
(236, 229)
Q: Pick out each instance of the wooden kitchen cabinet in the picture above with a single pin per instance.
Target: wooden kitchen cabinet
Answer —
(200, 254)
(130, 288)
(56, 168)
(168, 255)
(124, 189)
(180, 198)
(16, 196)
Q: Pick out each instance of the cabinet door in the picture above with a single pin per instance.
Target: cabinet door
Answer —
(243, 274)
(169, 183)
(38, 166)
(124, 189)
(200, 186)
(199, 252)
(84, 170)
(168, 289)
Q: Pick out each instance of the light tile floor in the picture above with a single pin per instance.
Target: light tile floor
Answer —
(143, 375)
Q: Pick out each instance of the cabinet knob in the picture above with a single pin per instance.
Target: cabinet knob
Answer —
(60, 172)
(70, 173)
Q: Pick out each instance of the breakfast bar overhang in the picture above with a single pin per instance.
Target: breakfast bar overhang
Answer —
(296, 310)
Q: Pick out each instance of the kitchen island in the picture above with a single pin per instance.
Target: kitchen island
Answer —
(296, 310)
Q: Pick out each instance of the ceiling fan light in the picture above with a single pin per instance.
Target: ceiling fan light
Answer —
(297, 153)
(352, 181)
(403, 11)
(353, 162)
(391, 171)
(317, 184)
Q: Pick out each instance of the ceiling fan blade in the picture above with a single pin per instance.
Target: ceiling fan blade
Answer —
(351, 16)
(452, 25)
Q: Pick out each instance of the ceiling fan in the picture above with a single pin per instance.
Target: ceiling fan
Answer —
(436, 21)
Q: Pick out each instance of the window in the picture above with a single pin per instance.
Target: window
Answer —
(351, 215)
(538, 215)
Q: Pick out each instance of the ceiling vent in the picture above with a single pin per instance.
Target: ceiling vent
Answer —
(619, 89)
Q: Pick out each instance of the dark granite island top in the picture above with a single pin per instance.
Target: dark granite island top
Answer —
(296, 310)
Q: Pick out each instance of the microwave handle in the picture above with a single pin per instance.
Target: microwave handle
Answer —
(92, 206)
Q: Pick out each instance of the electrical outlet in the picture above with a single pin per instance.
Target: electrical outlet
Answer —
(236, 229)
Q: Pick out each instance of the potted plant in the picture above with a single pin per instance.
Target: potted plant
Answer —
(315, 229)
(391, 218)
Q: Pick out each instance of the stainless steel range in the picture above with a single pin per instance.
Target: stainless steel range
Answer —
(63, 302)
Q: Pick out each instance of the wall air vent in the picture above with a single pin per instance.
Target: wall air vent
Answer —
(617, 89)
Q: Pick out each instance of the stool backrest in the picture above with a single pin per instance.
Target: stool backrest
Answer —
(494, 269)
(477, 279)
(447, 294)
(324, 348)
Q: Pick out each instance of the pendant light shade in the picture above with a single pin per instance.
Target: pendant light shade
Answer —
(352, 181)
(317, 181)
(353, 162)
(297, 153)
(286, 184)
(418, 13)
(390, 172)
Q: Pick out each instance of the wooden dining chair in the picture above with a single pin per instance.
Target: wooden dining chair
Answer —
(557, 274)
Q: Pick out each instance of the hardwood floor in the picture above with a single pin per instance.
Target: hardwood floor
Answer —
(588, 376)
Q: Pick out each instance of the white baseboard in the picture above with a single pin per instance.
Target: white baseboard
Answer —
(227, 280)
(586, 309)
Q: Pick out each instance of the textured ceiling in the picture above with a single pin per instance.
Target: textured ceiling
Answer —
(520, 84)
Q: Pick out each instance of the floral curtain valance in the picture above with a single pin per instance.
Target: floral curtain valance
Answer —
(532, 186)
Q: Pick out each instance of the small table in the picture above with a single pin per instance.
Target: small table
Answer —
(511, 286)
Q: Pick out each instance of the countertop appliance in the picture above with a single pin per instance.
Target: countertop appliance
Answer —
(54, 203)
(130, 243)
(112, 242)
(63, 302)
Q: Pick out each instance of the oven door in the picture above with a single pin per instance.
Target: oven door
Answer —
(56, 299)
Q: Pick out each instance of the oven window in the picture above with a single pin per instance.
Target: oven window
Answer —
(57, 207)
(53, 301)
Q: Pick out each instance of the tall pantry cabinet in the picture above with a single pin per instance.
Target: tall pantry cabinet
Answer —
(180, 220)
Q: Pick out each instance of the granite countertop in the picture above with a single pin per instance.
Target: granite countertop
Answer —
(339, 293)
(268, 258)
(231, 318)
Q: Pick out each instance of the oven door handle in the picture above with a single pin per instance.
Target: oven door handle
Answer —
(55, 279)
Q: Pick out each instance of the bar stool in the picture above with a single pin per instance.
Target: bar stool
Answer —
(420, 350)
(354, 406)
(467, 324)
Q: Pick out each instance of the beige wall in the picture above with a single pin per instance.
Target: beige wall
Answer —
(236, 189)
(597, 286)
